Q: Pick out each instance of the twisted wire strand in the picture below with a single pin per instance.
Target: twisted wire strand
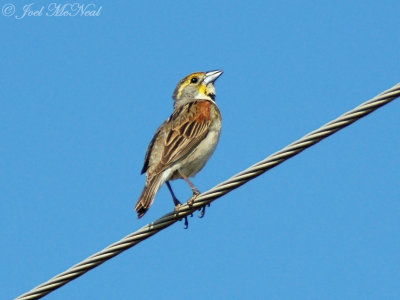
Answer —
(214, 193)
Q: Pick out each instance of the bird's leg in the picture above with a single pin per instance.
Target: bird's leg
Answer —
(192, 186)
(177, 203)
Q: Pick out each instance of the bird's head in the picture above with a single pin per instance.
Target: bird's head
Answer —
(199, 85)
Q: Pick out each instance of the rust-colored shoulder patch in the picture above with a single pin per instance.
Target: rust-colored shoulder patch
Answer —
(203, 111)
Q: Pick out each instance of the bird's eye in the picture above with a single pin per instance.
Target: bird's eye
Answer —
(194, 80)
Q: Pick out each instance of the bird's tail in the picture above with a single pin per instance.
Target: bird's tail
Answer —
(147, 197)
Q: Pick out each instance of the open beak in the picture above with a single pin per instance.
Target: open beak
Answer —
(211, 76)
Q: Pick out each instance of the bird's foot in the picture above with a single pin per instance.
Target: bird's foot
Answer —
(186, 223)
(176, 202)
(194, 196)
(177, 208)
(203, 210)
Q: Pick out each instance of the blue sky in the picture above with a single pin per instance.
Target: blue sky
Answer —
(81, 98)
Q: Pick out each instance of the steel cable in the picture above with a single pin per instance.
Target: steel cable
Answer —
(207, 197)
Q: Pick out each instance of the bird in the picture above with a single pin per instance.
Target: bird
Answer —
(184, 143)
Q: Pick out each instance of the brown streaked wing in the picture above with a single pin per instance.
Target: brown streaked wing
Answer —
(148, 152)
(185, 134)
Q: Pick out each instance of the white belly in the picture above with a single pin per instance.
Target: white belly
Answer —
(196, 160)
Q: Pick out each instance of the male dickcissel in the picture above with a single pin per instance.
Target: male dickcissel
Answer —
(183, 144)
